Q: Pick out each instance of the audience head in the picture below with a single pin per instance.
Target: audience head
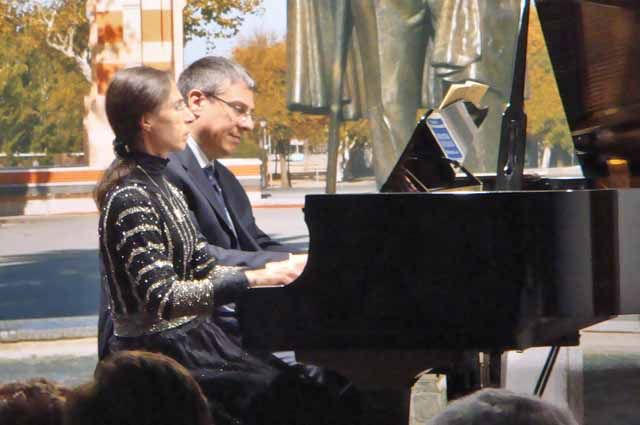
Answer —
(502, 407)
(219, 92)
(34, 402)
(139, 388)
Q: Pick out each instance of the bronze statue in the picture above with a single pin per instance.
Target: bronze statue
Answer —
(385, 59)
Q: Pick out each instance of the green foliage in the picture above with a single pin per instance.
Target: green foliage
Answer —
(265, 58)
(44, 66)
(41, 90)
(248, 148)
(216, 19)
(547, 123)
(356, 132)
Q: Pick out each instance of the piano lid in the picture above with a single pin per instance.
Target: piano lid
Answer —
(423, 167)
(594, 47)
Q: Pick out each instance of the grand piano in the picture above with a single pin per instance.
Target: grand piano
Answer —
(415, 278)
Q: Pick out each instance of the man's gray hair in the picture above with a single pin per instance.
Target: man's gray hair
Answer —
(211, 74)
(501, 407)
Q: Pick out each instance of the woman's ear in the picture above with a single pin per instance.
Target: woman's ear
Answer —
(146, 122)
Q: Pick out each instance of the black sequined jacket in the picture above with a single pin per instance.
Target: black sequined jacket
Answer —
(156, 266)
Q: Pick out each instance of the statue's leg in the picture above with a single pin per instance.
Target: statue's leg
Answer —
(392, 39)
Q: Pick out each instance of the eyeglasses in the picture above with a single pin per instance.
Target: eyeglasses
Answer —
(241, 110)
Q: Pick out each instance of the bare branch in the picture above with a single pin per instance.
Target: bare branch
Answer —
(64, 42)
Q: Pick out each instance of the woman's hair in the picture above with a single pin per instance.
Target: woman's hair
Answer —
(139, 388)
(34, 402)
(132, 93)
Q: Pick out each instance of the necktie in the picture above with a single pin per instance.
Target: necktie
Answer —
(210, 172)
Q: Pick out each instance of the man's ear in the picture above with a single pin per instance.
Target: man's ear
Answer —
(195, 98)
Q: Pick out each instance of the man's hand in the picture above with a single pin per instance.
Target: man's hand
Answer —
(298, 261)
(278, 272)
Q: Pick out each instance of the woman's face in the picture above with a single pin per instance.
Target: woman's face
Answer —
(166, 129)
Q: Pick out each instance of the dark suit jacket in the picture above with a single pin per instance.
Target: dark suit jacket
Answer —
(252, 247)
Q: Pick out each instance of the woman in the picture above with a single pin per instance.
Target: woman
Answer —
(162, 282)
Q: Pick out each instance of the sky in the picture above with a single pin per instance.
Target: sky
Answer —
(273, 20)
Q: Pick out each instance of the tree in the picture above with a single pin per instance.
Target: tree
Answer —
(45, 66)
(547, 124)
(356, 132)
(42, 92)
(64, 24)
(265, 58)
(216, 19)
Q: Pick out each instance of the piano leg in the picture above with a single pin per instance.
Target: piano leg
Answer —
(385, 377)
(466, 375)
(492, 369)
(496, 369)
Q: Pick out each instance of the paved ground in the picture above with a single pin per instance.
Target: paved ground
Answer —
(68, 361)
(611, 378)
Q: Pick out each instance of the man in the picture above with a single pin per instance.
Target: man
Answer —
(219, 92)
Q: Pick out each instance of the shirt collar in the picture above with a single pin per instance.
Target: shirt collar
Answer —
(202, 159)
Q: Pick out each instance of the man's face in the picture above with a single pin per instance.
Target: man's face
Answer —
(222, 118)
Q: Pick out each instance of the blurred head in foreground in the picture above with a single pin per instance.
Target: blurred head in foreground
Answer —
(34, 402)
(139, 388)
(493, 406)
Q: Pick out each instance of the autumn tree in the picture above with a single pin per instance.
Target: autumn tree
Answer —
(265, 58)
(42, 92)
(547, 124)
(45, 65)
(64, 24)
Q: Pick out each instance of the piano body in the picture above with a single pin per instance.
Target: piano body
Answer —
(400, 282)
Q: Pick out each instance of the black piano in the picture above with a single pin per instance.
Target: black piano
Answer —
(415, 278)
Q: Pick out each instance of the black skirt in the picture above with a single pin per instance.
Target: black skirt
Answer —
(248, 389)
(230, 377)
